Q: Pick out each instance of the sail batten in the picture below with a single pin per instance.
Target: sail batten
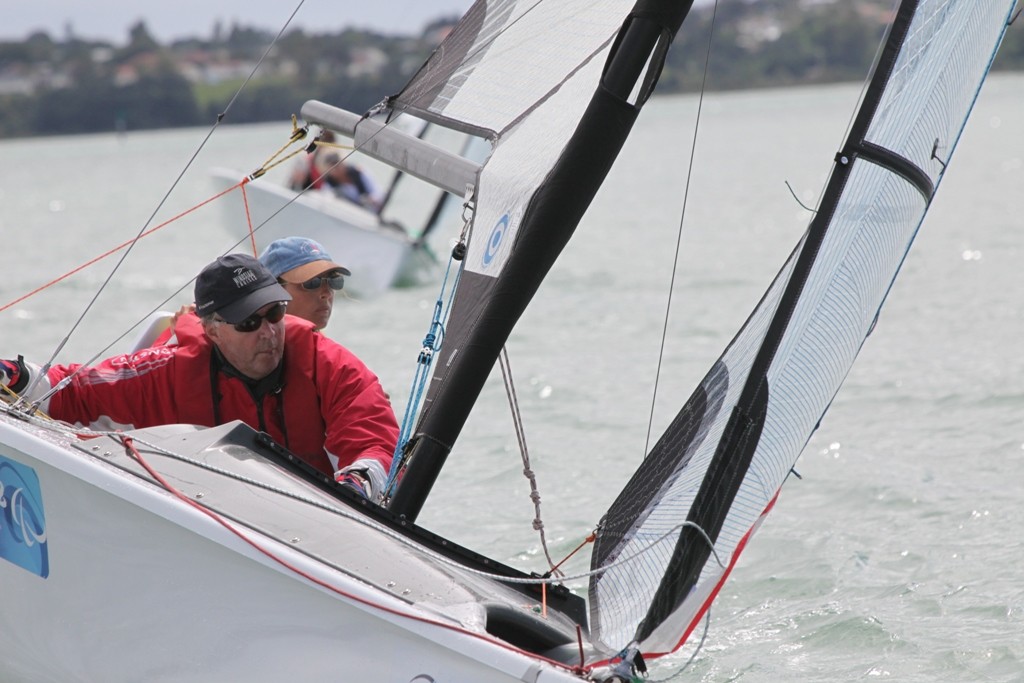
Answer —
(779, 375)
(896, 164)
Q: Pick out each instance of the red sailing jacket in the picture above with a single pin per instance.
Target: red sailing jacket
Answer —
(314, 177)
(330, 410)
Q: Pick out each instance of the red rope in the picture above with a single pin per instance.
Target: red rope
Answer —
(134, 452)
(588, 539)
(125, 244)
(248, 217)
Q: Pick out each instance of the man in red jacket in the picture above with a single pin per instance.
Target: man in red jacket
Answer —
(231, 362)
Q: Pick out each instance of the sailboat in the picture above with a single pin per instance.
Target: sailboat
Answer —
(383, 255)
(386, 245)
(188, 553)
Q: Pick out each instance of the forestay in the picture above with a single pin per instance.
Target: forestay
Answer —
(725, 456)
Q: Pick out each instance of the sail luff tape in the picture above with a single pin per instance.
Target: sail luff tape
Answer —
(396, 148)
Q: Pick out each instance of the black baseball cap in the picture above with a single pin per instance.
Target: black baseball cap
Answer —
(236, 286)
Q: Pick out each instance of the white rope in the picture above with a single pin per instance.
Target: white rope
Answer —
(66, 430)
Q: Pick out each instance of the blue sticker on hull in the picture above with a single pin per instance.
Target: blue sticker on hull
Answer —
(22, 524)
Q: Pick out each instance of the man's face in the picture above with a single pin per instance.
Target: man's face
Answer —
(255, 354)
(315, 305)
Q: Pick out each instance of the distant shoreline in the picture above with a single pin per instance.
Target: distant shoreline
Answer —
(60, 87)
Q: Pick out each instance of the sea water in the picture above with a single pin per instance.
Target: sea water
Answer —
(896, 556)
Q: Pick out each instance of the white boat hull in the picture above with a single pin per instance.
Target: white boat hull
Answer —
(140, 585)
(379, 254)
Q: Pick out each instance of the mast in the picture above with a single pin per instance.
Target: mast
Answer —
(630, 74)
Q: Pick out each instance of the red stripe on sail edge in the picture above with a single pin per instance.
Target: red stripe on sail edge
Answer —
(714, 594)
(718, 587)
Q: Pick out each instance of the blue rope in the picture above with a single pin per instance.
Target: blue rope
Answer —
(431, 345)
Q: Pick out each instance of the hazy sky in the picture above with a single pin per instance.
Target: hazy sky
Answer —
(170, 19)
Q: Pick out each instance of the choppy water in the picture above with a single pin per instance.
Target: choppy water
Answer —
(897, 556)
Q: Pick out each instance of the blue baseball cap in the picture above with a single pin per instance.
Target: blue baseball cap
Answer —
(300, 258)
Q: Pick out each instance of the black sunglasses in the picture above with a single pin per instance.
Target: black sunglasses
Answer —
(335, 282)
(255, 321)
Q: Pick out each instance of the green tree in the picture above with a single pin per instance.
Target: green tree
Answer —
(158, 99)
(16, 115)
(139, 42)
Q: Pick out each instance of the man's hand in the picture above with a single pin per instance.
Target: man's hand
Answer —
(355, 481)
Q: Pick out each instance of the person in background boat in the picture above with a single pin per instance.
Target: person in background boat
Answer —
(309, 172)
(243, 359)
(307, 272)
(352, 183)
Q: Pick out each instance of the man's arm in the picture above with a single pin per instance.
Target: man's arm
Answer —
(123, 392)
(361, 428)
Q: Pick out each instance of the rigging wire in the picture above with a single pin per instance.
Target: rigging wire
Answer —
(297, 135)
(114, 250)
(668, 309)
(679, 235)
(846, 133)
(424, 361)
(163, 200)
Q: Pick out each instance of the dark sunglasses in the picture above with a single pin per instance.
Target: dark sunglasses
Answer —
(255, 321)
(335, 282)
